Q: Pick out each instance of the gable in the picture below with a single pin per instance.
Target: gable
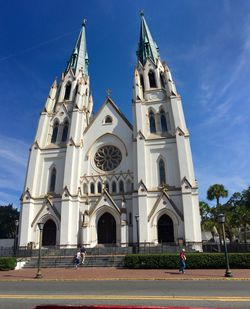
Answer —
(165, 201)
(110, 109)
(107, 201)
(116, 131)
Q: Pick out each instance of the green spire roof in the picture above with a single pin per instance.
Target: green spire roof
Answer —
(79, 57)
(147, 47)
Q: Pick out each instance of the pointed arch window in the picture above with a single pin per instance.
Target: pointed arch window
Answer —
(151, 77)
(99, 187)
(67, 91)
(121, 186)
(74, 60)
(162, 172)
(65, 131)
(162, 78)
(130, 218)
(52, 180)
(55, 132)
(147, 49)
(142, 82)
(114, 187)
(152, 126)
(92, 188)
(164, 127)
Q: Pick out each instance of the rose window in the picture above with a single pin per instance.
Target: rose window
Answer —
(107, 158)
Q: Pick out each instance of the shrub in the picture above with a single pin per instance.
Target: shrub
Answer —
(7, 263)
(194, 260)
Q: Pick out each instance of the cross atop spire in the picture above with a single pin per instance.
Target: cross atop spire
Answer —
(147, 48)
(108, 91)
(79, 57)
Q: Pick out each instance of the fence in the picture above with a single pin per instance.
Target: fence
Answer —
(232, 247)
(142, 248)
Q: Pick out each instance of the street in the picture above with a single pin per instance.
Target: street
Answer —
(200, 293)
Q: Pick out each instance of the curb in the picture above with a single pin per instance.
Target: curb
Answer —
(123, 279)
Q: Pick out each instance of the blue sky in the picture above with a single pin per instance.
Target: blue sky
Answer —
(206, 44)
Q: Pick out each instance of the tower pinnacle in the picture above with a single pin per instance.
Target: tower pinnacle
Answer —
(79, 57)
(147, 48)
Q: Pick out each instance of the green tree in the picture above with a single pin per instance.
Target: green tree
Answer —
(207, 220)
(8, 216)
(216, 192)
(228, 210)
(205, 213)
(237, 214)
(246, 197)
(242, 211)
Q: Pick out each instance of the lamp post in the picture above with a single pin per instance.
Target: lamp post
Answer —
(39, 273)
(221, 220)
(137, 231)
(16, 238)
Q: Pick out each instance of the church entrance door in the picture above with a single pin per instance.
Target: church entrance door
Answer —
(106, 230)
(165, 229)
(49, 233)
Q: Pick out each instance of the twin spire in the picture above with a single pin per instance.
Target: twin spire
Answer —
(79, 57)
(147, 48)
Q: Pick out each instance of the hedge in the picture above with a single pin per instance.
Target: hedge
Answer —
(194, 260)
(7, 263)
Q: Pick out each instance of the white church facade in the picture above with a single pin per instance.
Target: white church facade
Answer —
(97, 179)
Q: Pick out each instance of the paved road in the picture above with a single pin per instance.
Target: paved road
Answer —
(214, 294)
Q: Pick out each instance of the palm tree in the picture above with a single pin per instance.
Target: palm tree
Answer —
(217, 191)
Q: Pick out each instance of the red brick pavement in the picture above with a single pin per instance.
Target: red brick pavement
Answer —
(108, 273)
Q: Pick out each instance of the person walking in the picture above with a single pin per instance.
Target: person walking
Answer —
(83, 254)
(182, 259)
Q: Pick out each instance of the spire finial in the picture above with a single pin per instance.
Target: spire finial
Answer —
(54, 85)
(84, 22)
(142, 13)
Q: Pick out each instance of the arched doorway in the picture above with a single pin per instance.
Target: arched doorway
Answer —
(165, 229)
(49, 233)
(106, 229)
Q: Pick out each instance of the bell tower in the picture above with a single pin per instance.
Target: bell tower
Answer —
(162, 149)
(54, 155)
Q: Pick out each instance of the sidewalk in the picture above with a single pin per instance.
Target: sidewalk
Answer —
(111, 273)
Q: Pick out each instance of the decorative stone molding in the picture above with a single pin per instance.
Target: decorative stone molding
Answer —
(66, 192)
(181, 132)
(26, 196)
(141, 136)
(73, 143)
(142, 187)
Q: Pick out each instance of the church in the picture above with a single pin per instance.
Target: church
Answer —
(98, 180)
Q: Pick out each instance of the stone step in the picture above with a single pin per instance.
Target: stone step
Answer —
(64, 262)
